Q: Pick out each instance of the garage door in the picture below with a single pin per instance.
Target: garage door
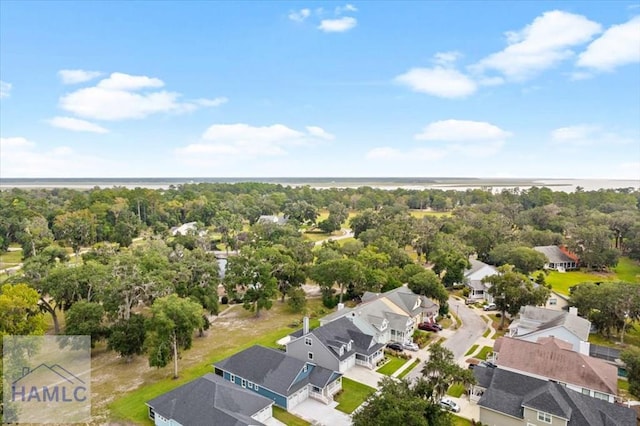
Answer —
(298, 397)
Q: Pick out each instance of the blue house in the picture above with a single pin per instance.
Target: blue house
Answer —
(210, 400)
(285, 380)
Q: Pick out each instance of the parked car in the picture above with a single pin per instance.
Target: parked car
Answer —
(395, 346)
(490, 307)
(469, 301)
(436, 325)
(410, 346)
(450, 405)
(427, 326)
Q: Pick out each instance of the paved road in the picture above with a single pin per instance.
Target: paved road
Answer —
(346, 233)
(462, 339)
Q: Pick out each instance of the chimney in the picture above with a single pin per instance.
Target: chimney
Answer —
(584, 348)
(340, 306)
(573, 311)
(305, 325)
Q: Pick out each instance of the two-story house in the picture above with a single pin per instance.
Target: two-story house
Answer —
(285, 380)
(473, 279)
(555, 360)
(534, 322)
(507, 398)
(337, 345)
(391, 316)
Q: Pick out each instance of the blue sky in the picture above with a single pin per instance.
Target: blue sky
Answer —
(188, 89)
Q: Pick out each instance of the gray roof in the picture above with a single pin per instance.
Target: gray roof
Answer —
(269, 368)
(343, 330)
(509, 392)
(210, 397)
(537, 318)
(335, 315)
(476, 284)
(476, 265)
(554, 254)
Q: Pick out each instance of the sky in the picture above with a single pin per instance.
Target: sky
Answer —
(300, 89)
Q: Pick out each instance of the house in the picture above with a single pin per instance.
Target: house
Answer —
(534, 322)
(337, 345)
(507, 398)
(473, 279)
(285, 380)
(558, 258)
(553, 359)
(390, 316)
(206, 398)
(186, 229)
(278, 220)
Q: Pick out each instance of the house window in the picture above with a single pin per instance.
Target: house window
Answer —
(544, 417)
(315, 389)
(256, 387)
(601, 395)
(349, 346)
(250, 385)
(244, 383)
(553, 302)
(586, 391)
(310, 355)
(232, 378)
(152, 414)
(304, 369)
(308, 341)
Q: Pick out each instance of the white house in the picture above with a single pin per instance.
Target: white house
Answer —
(473, 279)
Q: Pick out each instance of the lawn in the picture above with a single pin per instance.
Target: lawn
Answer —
(471, 350)
(392, 365)
(126, 387)
(486, 350)
(353, 395)
(316, 236)
(626, 270)
(419, 214)
(456, 390)
(287, 418)
(10, 258)
(408, 369)
(486, 333)
(631, 337)
(461, 421)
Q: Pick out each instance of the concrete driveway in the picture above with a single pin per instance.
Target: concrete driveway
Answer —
(364, 375)
(320, 414)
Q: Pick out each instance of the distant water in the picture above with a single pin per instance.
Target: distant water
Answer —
(458, 184)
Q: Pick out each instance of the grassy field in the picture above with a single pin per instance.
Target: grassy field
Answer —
(626, 270)
(631, 337)
(409, 368)
(461, 421)
(124, 388)
(324, 214)
(486, 350)
(419, 214)
(287, 418)
(353, 394)
(10, 258)
(392, 365)
(486, 332)
(471, 350)
(456, 390)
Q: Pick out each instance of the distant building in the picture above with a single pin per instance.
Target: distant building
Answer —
(473, 279)
(558, 258)
(278, 220)
(187, 229)
(534, 322)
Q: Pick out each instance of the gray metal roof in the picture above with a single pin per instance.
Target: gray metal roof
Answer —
(554, 254)
(508, 392)
(476, 265)
(210, 397)
(533, 317)
(269, 368)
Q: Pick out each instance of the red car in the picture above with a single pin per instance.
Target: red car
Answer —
(427, 326)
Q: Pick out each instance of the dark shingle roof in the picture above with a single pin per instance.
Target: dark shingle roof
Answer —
(210, 397)
(508, 392)
(269, 368)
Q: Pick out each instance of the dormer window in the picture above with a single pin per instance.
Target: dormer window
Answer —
(349, 346)
(305, 368)
(417, 305)
(341, 350)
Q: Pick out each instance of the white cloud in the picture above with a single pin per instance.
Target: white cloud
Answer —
(23, 158)
(446, 58)
(242, 139)
(346, 8)
(438, 81)
(123, 96)
(76, 125)
(338, 25)
(319, 132)
(5, 89)
(462, 131)
(77, 76)
(540, 45)
(300, 15)
(588, 135)
(619, 45)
